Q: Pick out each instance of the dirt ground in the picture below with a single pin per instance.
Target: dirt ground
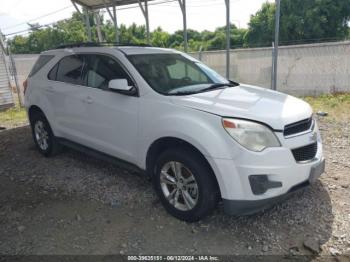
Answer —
(74, 204)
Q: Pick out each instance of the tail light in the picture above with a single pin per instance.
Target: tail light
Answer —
(25, 85)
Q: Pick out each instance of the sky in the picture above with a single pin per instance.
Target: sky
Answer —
(201, 14)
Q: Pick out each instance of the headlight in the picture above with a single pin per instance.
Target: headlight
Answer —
(251, 135)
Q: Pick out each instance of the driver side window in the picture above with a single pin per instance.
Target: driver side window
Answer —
(100, 69)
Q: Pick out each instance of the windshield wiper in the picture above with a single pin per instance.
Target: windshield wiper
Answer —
(216, 86)
(211, 87)
(183, 93)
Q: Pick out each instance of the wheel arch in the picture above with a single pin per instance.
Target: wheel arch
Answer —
(165, 143)
(34, 110)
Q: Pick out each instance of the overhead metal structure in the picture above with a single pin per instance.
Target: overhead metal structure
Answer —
(144, 9)
(275, 44)
(228, 38)
(92, 5)
(182, 4)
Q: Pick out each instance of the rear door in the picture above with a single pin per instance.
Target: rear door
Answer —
(66, 97)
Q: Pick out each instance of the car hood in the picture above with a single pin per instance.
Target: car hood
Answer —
(244, 101)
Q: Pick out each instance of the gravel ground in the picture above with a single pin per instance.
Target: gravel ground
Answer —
(74, 204)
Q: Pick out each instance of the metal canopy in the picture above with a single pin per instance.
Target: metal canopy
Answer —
(99, 4)
(91, 5)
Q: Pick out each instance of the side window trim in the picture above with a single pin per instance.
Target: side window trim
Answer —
(40, 63)
(119, 63)
(82, 69)
(84, 64)
(58, 66)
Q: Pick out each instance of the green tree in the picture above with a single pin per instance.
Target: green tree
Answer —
(133, 34)
(261, 27)
(19, 45)
(317, 19)
(176, 40)
(72, 30)
(236, 36)
(218, 42)
(301, 21)
(160, 38)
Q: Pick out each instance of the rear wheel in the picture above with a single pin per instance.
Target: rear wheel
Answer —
(44, 139)
(185, 184)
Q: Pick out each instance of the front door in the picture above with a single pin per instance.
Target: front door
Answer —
(110, 119)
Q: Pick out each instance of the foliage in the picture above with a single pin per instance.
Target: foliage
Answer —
(13, 115)
(261, 27)
(336, 105)
(301, 21)
(160, 38)
(67, 31)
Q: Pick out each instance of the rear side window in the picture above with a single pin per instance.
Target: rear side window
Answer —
(40, 63)
(70, 70)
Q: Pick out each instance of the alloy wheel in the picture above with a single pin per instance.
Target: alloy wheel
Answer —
(41, 135)
(179, 186)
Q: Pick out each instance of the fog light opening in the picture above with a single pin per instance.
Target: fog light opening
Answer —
(261, 183)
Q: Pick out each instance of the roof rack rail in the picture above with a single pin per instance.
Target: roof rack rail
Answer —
(93, 44)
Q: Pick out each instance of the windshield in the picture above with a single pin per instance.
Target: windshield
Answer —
(175, 74)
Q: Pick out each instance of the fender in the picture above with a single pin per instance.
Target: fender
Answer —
(194, 127)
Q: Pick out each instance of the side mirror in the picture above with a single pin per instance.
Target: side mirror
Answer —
(121, 86)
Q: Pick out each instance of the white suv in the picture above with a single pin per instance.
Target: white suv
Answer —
(200, 137)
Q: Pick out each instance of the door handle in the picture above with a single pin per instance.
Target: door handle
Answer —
(88, 100)
(50, 89)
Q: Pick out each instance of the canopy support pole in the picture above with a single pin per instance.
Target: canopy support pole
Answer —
(144, 10)
(87, 22)
(76, 7)
(115, 21)
(275, 46)
(228, 39)
(147, 22)
(113, 16)
(109, 11)
(98, 27)
(85, 18)
(184, 18)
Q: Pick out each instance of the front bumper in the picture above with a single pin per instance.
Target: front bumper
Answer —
(277, 164)
(248, 207)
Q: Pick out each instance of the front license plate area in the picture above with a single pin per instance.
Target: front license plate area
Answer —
(317, 171)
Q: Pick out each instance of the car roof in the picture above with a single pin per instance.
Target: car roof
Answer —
(130, 50)
(127, 50)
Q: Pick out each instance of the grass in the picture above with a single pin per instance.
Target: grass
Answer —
(337, 106)
(13, 116)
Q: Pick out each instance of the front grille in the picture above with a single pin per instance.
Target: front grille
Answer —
(305, 153)
(297, 127)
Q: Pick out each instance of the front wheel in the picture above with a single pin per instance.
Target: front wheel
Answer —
(185, 184)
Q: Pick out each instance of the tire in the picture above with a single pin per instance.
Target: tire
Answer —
(198, 194)
(44, 139)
